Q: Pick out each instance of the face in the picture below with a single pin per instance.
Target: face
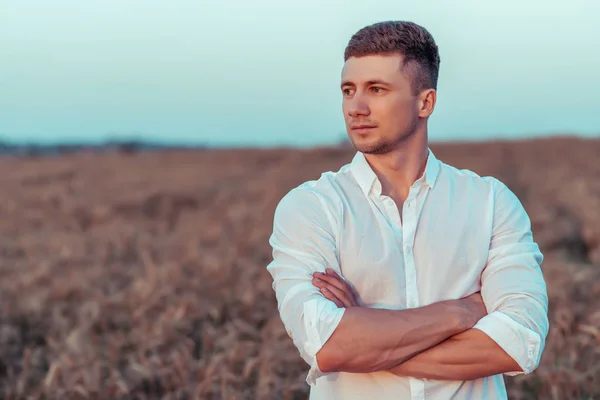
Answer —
(380, 109)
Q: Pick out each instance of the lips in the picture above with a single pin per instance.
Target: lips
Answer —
(362, 126)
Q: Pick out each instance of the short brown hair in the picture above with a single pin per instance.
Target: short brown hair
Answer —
(412, 41)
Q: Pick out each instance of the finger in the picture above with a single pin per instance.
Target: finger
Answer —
(330, 296)
(331, 277)
(332, 272)
(329, 271)
(320, 280)
(322, 285)
(340, 295)
(333, 280)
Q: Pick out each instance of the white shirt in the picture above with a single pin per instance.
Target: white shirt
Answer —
(459, 233)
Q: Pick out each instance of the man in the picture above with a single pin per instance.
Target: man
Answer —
(399, 276)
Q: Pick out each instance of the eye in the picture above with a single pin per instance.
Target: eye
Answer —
(377, 89)
(347, 91)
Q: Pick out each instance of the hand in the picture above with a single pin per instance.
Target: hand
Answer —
(334, 288)
(475, 308)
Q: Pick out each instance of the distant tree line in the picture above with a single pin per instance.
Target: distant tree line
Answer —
(124, 147)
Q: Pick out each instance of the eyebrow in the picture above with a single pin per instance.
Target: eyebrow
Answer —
(368, 83)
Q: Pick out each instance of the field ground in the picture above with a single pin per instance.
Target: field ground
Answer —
(142, 275)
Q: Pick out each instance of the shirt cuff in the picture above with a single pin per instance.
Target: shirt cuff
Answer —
(519, 342)
(321, 317)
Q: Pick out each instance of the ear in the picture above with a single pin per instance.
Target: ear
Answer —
(427, 100)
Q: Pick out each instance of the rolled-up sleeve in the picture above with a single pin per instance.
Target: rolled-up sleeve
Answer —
(512, 285)
(303, 242)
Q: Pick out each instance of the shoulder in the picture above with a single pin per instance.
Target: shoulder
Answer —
(322, 194)
(299, 199)
(314, 202)
(467, 179)
(503, 201)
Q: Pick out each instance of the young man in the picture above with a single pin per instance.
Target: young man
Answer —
(399, 276)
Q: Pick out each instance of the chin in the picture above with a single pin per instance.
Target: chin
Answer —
(370, 145)
(376, 150)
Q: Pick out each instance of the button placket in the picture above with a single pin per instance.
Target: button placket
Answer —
(392, 211)
(409, 229)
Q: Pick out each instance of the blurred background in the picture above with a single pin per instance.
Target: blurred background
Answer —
(144, 146)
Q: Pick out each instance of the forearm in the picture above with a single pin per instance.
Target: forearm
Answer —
(368, 340)
(466, 356)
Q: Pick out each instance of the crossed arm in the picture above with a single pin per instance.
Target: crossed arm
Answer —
(452, 340)
(467, 355)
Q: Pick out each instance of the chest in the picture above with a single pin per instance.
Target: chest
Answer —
(417, 253)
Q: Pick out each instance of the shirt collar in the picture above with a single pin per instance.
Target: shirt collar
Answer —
(366, 177)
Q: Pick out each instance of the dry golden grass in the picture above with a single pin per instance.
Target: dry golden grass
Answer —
(143, 276)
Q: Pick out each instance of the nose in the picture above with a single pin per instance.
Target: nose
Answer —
(357, 106)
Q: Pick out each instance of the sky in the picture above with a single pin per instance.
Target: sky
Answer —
(267, 72)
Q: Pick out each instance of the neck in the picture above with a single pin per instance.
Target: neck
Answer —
(399, 169)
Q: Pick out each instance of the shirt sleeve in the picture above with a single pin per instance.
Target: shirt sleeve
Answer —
(303, 242)
(512, 285)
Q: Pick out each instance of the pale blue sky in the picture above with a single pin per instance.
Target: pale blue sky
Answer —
(267, 72)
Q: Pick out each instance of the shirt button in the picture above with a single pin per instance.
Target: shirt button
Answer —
(408, 250)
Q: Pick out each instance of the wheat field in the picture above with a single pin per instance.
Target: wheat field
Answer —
(141, 275)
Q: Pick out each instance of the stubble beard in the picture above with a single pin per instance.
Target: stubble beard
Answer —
(385, 146)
